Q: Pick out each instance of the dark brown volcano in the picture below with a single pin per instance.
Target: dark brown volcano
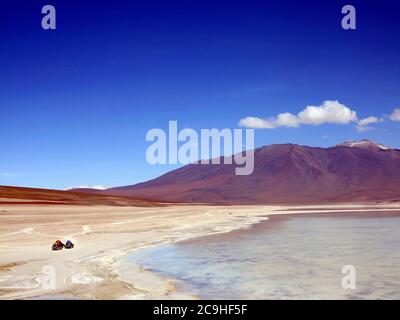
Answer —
(362, 171)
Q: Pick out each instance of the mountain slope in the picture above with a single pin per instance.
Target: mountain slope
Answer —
(18, 195)
(284, 174)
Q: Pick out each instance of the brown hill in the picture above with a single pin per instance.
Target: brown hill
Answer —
(288, 174)
(17, 195)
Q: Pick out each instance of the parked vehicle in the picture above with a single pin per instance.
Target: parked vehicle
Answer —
(58, 245)
(69, 245)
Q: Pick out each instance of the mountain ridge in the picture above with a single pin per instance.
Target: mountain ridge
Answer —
(284, 174)
(35, 196)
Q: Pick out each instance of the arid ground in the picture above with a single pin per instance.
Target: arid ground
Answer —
(104, 235)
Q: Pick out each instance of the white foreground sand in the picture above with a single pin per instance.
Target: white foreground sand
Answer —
(103, 236)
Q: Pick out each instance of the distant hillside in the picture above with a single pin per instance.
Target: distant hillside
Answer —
(288, 174)
(16, 195)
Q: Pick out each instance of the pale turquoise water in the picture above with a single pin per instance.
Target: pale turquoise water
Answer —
(300, 257)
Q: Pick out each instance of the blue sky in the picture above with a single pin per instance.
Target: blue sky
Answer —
(76, 102)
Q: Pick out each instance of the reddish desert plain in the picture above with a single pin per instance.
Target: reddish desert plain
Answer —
(104, 233)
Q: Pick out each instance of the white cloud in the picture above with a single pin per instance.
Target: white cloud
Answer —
(99, 187)
(395, 116)
(329, 112)
(369, 120)
(256, 123)
(364, 124)
(96, 187)
(288, 120)
(332, 112)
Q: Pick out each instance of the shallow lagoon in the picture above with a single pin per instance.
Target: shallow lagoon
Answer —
(287, 257)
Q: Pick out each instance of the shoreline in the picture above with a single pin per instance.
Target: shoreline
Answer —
(100, 270)
(271, 221)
